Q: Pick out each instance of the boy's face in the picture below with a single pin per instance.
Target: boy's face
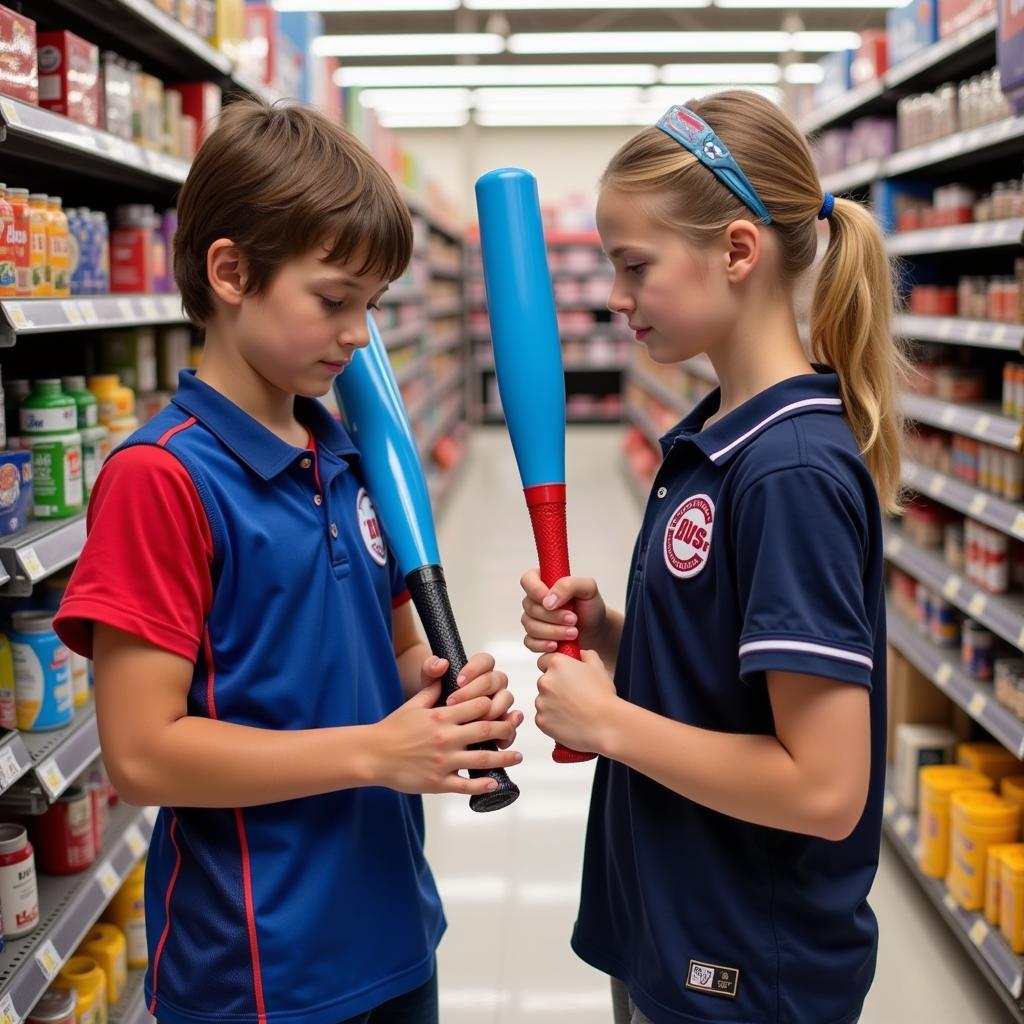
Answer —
(301, 332)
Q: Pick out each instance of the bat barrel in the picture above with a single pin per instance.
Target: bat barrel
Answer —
(430, 595)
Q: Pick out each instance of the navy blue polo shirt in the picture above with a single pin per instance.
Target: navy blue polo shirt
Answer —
(264, 565)
(760, 550)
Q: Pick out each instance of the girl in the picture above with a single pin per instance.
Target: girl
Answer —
(735, 822)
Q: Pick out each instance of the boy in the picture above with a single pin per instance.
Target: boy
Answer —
(258, 671)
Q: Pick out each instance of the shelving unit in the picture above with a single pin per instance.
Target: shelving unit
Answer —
(959, 331)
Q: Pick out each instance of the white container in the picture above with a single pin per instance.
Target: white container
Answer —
(918, 746)
(19, 893)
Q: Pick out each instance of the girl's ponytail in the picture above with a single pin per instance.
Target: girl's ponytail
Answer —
(852, 332)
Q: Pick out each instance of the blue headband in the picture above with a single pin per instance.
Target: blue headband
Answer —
(700, 139)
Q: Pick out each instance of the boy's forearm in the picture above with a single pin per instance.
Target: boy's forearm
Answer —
(198, 762)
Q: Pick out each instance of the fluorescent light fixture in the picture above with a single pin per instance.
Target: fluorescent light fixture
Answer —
(364, 6)
(681, 42)
(470, 75)
(423, 44)
(805, 74)
(726, 74)
(422, 119)
(416, 99)
(595, 97)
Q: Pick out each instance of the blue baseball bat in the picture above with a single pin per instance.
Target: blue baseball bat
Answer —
(373, 412)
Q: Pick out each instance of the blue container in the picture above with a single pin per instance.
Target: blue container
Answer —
(42, 673)
(15, 491)
(910, 29)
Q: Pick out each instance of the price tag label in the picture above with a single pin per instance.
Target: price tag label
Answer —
(999, 335)
(30, 562)
(10, 112)
(979, 932)
(1018, 526)
(978, 503)
(981, 425)
(951, 587)
(1006, 128)
(950, 903)
(972, 332)
(73, 313)
(937, 485)
(149, 310)
(977, 705)
(8, 1015)
(978, 235)
(889, 806)
(948, 415)
(48, 960)
(10, 770)
(151, 814)
(903, 826)
(18, 316)
(978, 605)
(1020, 644)
(127, 309)
(943, 674)
(895, 545)
(88, 312)
(108, 878)
(136, 843)
(945, 238)
(52, 778)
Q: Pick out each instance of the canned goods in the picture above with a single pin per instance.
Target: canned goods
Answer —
(977, 650)
(55, 1007)
(953, 546)
(42, 673)
(65, 836)
(944, 623)
(924, 608)
(19, 893)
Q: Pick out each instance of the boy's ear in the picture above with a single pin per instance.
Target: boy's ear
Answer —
(742, 250)
(226, 271)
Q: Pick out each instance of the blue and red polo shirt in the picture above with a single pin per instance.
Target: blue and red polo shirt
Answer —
(264, 565)
(760, 550)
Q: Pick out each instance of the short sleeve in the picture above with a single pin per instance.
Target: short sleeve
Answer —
(799, 537)
(399, 589)
(145, 568)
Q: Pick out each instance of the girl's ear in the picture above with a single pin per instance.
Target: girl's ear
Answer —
(742, 250)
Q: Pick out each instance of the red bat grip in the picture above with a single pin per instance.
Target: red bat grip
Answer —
(547, 514)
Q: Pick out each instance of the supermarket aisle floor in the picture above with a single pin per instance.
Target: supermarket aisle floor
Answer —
(510, 880)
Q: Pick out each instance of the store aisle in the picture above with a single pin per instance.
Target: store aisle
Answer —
(510, 880)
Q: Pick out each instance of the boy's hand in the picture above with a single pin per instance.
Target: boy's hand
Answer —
(576, 701)
(549, 623)
(478, 678)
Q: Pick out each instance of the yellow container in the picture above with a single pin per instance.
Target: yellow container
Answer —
(105, 386)
(990, 759)
(127, 911)
(83, 975)
(107, 946)
(38, 225)
(979, 820)
(1011, 898)
(1012, 788)
(937, 784)
(57, 248)
(994, 880)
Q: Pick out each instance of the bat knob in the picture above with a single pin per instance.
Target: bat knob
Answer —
(507, 793)
(566, 755)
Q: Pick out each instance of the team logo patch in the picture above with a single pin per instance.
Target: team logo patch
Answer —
(712, 979)
(688, 537)
(369, 527)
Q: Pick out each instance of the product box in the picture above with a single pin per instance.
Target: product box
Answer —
(957, 14)
(172, 123)
(871, 60)
(911, 29)
(132, 356)
(886, 197)
(1010, 51)
(16, 497)
(229, 28)
(837, 81)
(296, 76)
(917, 747)
(913, 698)
(201, 101)
(117, 96)
(131, 260)
(19, 70)
(69, 77)
(150, 130)
(259, 55)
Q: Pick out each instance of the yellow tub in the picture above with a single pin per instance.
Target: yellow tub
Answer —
(991, 759)
(1011, 899)
(979, 820)
(994, 880)
(1012, 788)
(937, 784)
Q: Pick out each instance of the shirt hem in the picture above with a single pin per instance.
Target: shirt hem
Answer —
(76, 614)
(326, 1013)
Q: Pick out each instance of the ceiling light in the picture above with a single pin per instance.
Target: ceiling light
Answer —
(416, 99)
(595, 97)
(423, 119)
(681, 42)
(423, 44)
(837, 5)
(727, 74)
(804, 74)
(469, 75)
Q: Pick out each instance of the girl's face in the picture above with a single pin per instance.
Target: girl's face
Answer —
(675, 296)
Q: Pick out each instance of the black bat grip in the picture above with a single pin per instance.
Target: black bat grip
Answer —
(430, 595)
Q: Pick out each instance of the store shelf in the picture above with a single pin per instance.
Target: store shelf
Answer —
(960, 331)
(860, 102)
(59, 756)
(646, 425)
(445, 425)
(1002, 614)
(409, 372)
(977, 144)
(971, 48)
(396, 337)
(661, 391)
(639, 488)
(452, 273)
(42, 136)
(986, 945)
(454, 339)
(851, 178)
(94, 313)
(131, 1007)
(485, 362)
(69, 906)
(436, 394)
(988, 235)
(985, 422)
(402, 294)
(15, 760)
(994, 511)
(942, 666)
(445, 308)
(44, 547)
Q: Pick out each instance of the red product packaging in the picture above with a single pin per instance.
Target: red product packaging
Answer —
(261, 42)
(69, 77)
(957, 14)
(871, 61)
(65, 838)
(202, 101)
(131, 260)
(19, 71)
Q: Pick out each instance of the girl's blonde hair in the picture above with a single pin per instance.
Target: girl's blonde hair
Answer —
(854, 299)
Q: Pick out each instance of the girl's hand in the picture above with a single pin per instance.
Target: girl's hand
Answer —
(576, 701)
(548, 622)
(478, 678)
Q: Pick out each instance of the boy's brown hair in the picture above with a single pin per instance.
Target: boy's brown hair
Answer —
(278, 181)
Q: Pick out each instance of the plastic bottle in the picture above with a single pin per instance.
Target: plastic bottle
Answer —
(49, 423)
(57, 248)
(18, 198)
(8, 268)
(38, 225)
(127, 910)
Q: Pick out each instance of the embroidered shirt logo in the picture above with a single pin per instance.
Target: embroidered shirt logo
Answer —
(369, 527)
(713, 979)
(688, 537)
